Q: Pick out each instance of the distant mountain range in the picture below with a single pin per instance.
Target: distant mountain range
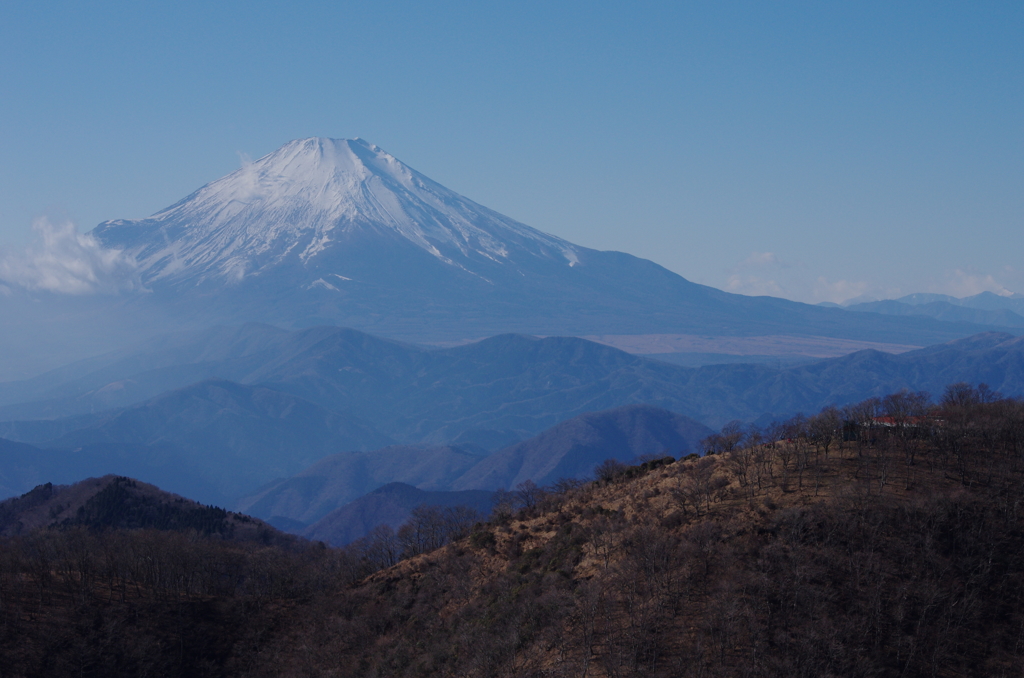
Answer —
(982, 309)
(988, 301)
(509, 385)
(314, 393)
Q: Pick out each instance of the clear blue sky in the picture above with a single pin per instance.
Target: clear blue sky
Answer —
(811, 150)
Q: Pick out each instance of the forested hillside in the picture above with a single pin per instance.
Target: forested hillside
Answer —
(881, 539)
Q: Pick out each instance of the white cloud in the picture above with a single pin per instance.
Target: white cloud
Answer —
(63, 260)
(763, 259)
(756, 276)
(1013, 278)
(961, 283)
(753, 286)
(766, 273)
(839, 291)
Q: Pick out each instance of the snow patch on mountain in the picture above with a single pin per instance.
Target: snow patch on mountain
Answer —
(320, 282)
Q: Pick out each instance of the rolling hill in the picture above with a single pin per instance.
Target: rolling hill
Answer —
(573, 448)
(339, 479)
(390, 505)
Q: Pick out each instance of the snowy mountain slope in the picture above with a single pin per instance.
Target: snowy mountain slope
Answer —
(309, 197)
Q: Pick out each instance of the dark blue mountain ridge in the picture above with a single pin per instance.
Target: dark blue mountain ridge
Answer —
(340, 478)
(390, 505)
(513, 383)
(219, 436)
(331, 391)
(570, 449)
(573, 448)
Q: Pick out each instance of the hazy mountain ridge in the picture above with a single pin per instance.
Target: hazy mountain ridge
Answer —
(573, 448)
(153, 366)
(985, 300)
(944, 310)
(336, 389)
(390, 505)
(339, 479)
(516, 383)
(215, 439)
(570, 449)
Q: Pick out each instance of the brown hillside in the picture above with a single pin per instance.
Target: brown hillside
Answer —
(897, 552)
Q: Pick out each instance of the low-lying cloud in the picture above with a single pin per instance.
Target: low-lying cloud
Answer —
(964, 283)
(766, 273)
(62, 260)
(754, 286)
(838, 291)
(757, 275)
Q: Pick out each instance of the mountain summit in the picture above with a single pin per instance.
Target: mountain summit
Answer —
(326, 231)
(299, 204)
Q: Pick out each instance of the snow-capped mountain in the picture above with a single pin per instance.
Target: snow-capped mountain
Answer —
(325, 231)
(299, 204)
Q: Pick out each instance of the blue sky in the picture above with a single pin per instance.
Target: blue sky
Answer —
(816, 151)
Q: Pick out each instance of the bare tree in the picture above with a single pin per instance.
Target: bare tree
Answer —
(503, 504)
(732, 436)
(381, 548)
(528, 495)
(566, 485)
(825, 428)
(609, 469)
